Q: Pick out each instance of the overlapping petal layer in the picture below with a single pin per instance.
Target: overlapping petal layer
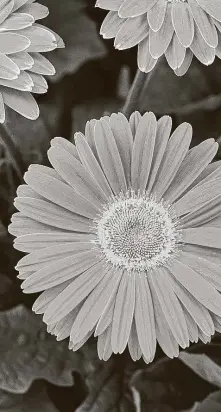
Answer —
(177, 28)
(22, 66)
(155, 280)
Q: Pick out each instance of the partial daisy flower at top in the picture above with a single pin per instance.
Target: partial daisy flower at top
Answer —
(22, 67)
(177, 28)
(123, 236)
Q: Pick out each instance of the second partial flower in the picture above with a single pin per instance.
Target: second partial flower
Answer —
(22, 66)
(177, 28)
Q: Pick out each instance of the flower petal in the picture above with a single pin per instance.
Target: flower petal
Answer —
(46, 297)
(204, 236)
(175, 152)
(198, 196)
(123, 313)
(198, 312)
(133, 343)
(8, 69)
(94, 305)
(142, 152)
(145, 61)
(109, 156)
(172, 310)
(73, 294)
(160, 40)
(144, 317)
(23, 103)
(132, 32)
(205, 24)
(193, 164)
(213, 8)
(203, 52)
(51, 214)
(72, 171)
(59, 271)
(164, 126)
(183, 22)
(156, 15)
(90, 163)
(124, 140)
(104, 348)
(202, 290)
(13, 43)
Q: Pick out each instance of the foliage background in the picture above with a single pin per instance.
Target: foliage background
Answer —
(38, 374)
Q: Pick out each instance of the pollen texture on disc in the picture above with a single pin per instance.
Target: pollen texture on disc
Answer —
(136, 232)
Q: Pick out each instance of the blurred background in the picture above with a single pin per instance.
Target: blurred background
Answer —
(38, 374)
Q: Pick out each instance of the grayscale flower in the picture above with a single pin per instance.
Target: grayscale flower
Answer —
(22, 66)
(177, 28)
(123, 237)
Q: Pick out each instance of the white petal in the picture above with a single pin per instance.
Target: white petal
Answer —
(23, 103)
(160, 40)
(90, 162)
(72, 171)
(204, 53)
(205, 23)
(175, 152)
(197, 286)
(142, 151)
(132, 32)
(194, 163)
(124, 140)
(109, 156)
(8, 69)
(73, 294)
(123, 312)
(94, 305)
(156, 15)
(213, 8)
(164, 126)
(144, 317)
(183, 22)
(172, 310)
(198, 196)
(133, 343)
(13, 43)
(145, 61)
(51, 214)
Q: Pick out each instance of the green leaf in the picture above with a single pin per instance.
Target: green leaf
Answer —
(82, 41)
(203, 366)
(35, 400)
(28, 352)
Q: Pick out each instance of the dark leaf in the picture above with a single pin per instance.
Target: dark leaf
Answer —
(198, 89)
(82, 41)
(203, 366)
(211, 404)
(28, 352)
(35, 400)
(107, 382)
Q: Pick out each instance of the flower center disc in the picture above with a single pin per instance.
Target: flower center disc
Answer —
(137, 233)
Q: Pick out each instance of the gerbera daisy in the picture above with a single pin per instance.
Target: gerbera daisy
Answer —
(123, 236)
(177, 28)
(22, 67)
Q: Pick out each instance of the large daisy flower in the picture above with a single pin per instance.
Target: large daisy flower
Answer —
(177, 28)
(22, 67)
(123, 236)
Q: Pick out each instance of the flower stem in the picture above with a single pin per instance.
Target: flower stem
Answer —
(141, 79)
(12, 151)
